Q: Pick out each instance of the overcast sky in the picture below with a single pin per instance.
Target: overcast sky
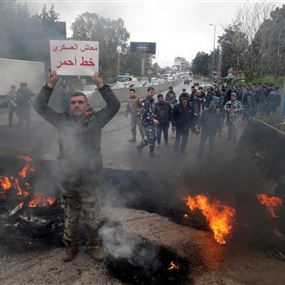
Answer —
(179, 28)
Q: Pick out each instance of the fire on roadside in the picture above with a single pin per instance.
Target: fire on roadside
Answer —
(21, 187)
(5, 183)
(271, 203)
(173, 266)
(219, 216)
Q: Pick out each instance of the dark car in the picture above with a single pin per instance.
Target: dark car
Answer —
(187, 81)
(196, 84)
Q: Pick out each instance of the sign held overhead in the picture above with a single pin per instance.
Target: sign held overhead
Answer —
(74, 57)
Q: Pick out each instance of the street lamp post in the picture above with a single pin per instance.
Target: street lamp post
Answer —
(213, 64)
(119, 49)
(220, 52)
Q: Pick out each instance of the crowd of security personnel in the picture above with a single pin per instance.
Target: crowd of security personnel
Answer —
(199, 111)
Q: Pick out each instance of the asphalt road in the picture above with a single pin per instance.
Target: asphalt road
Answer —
(229, 264)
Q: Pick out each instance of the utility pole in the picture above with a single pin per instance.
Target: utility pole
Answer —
(213, 64)
(119, 49)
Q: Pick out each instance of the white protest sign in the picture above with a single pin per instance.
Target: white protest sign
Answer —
(74, 57)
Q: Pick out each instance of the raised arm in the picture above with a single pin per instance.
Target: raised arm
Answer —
(42, 100)
(113, 104)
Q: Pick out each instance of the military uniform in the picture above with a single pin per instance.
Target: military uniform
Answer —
(232, 109)
(150, 130)
(11, 98)
(133, 108)
(23, 101)
(80, 162)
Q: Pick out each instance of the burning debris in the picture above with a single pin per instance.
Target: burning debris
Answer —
(270, 203)
(173, 266)
(19, 186)
(219, 216)
(161, 269)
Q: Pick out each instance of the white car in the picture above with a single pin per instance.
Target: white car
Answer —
(89, 90)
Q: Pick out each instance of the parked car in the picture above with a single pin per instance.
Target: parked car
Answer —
(89, 90)
(206, 86)
(3, 101)
(187, 81)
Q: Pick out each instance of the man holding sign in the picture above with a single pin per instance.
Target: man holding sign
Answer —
(80, 161)
(74, 57)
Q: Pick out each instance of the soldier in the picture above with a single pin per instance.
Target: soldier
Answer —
(232, 109)
(80, 161)
(133, 108)
(209, 123)
(149, 122)
(163, 115)
(23, 101)
(12, 105)
(183, 120)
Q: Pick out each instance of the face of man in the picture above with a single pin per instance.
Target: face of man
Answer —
(78, 105)
(160, 99)
(233, 97)
(132, 94)
(150, 93)
(184, 101)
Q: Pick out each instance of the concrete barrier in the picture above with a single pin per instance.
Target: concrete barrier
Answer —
(265, 145)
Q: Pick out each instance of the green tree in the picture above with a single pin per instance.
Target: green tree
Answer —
(235, 47)
(48, 17)
(201, 64)
(269, 44)
(110, 34)
(24, 36)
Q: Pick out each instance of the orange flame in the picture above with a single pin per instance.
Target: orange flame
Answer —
(39, 200)
(5, 183)
(172, 266)
(20, 191)
(22, 187)
(270, 203)
(219, 216)
(27, 168)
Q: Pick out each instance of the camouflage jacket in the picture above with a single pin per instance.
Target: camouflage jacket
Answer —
(147, 111)
(233, 108)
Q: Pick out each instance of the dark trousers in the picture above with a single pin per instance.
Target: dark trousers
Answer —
(204, 136)
(162, 128)
(11, 110)
(24, 115)
(181, 140)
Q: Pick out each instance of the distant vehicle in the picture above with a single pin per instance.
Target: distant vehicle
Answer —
(3, 101)
(187, 81)
(89, 90)
(196, 84)
(125, 81)
(206, 86)
(157, 81)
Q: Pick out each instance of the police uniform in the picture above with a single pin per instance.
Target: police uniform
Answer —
(150, 130)
(232, 108)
